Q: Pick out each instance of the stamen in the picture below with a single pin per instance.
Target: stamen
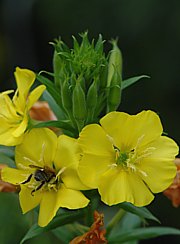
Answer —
(110, 138)
(111, 166)
(146, 153)
(139, 141)
(60, 172)
(29, 160)
(42, 153)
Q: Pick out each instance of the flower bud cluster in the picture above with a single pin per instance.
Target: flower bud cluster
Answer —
(88, 80)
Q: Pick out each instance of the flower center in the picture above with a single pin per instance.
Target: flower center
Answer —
(121, 157)
(129, 160)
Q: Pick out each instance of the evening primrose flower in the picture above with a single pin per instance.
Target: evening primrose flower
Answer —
(127, 158)
(14, 113)
(46, 173)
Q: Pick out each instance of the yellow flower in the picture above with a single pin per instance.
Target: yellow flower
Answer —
(46, 172)
(14, 113)
(127, 158)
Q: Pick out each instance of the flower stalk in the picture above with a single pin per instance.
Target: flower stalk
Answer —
(115, 220)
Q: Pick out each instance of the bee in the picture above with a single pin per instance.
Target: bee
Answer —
(41, 175)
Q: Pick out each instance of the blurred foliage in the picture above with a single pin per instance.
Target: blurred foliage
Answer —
(149, 36)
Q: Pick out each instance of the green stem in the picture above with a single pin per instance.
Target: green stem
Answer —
(117, 217)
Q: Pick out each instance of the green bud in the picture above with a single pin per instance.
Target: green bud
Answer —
(114, 95)
(115, 62)
(99, 44)
(75, 43)
(57, 64)
(79, 103)
(66, 96)
(103, 76)
(92, 96)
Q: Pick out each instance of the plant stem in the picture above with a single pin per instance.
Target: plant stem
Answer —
(117, 217)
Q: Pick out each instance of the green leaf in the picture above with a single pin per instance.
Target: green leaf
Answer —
(129, 221)
(142, 233)
(62, 219)
(52, 89)
(68, 232)
(8, 151)
(63, 124)
(142, 212)
(132, 80)
(53, 105)
(4, 159)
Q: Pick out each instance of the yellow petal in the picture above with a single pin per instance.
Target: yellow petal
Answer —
(71, 199)
(67, 157)
(121, 186)
(6, 137)
(24, 79)
(159, 166)
(68, 152)
(21, 127)
(163, 147)
(14, 176)
(91, 167)
(6, 93)
(38, 148)
(35, 95)
(71, 180)
(27, 200)
(48, 207)
(7, 109)
(129, 131)
(159, 173)
(52, 201)
(94, 140)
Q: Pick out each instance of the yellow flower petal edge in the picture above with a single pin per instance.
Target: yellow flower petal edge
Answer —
(68, 155)
(128, 187)
(64, 197)
(27, 200)
(44, 174)
(14, 114)
(139, 161)
(127, 129)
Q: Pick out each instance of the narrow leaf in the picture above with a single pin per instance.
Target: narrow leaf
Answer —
(62, 219)
(57, 110)
(4, 159)
(130, 81)
(142, 233)
(50, 87)
(68, 232)
(142, 212)
(8, 151)
(63, 124)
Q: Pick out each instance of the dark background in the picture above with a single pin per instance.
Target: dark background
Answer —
(149, 37)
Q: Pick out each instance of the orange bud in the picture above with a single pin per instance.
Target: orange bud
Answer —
(173, 192)
(41, 111)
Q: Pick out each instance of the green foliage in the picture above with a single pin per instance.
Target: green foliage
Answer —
(141, 234)
(130, 81)
(62, 219)
(7, 155)
(142, 212)
(67, 232)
